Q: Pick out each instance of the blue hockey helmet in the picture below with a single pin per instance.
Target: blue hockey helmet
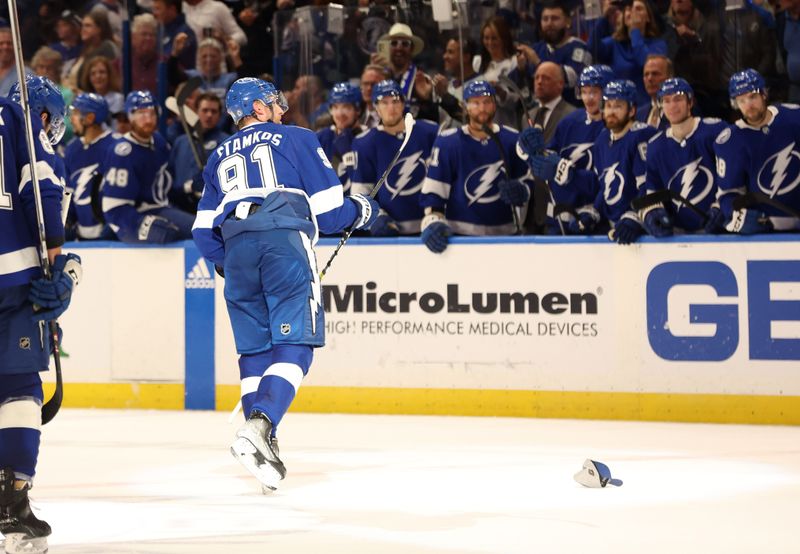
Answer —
(675, 85)
(748, 80)
(139, 100)
(478, 87)
(345, 93)
(89, 102)
(44, 96)
(387, 87)
(621, 89)
(596, 76)
(245, 91)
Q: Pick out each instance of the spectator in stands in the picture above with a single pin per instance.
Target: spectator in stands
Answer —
(211, 18)
(306, 102)
(397, 50)
(557, 45)
(144, 52)
(68, 30)
(256, 55)
(657, 69)
(101, 77)
(169, 14)
(458, 65)
(210, 55)
(8, 69)
(626, 50)
(747, 41)
(46, 62)
(97, 41)
(112, 10)
(187, 179)
(497, 59)
(372, 75)
(788, 21)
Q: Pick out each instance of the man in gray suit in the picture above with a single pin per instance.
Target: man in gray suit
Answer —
(548, 85)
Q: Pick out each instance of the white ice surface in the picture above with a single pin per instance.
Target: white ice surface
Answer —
(164, 482)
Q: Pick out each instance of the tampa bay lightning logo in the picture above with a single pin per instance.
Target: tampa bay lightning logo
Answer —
(579, 153)
(407, 175)
(613, 184)
(161, 185)
(81, 179)
(780, 174)
(481, 181)
(695, 181)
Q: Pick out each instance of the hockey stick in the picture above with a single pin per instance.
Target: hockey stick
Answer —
(753, 198)
(665, 195)
(514, 215)
(524, 100)
(408, 123)
(51, 407)
(186, 91)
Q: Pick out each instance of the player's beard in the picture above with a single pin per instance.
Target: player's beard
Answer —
(616, 125)
(758, 116)
(145, 132)
(482, 118)
(554, 37)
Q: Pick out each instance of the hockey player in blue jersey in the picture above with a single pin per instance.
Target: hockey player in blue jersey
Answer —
(269, 191)
(137, 182)
(27, 301)
(758, 161)
(573, 140)
(83, 161)
(345, 106)
(472, 187)
(399, 198)
(619, 164)
(680, 162)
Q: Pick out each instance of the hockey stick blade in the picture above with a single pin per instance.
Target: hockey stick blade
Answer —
(191, 117)
(408, 124)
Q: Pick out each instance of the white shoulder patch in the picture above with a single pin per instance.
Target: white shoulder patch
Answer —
(123, 148)
(363, 133)
(711, 120)
(654, 137)
(639, 125)
(45, 142)
(116, 135)
(578, 55)
(642, 146)
(510, 129)
(723, 137)
(791, 106)
(448, 132)
(324, 158)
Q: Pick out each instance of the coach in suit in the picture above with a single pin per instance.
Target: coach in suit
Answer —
(548, 86)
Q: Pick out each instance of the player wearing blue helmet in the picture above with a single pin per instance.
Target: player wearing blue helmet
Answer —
(474, 176)
(344, 103)
(680, 182)
(45, 100)
(83, 160)
(758, 161)
(136, 181)
(619, 155)
(269, 191)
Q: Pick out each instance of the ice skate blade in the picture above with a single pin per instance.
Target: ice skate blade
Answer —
(18, 543)
(247, 455)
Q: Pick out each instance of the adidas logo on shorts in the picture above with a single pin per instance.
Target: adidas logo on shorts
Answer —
(199, 277)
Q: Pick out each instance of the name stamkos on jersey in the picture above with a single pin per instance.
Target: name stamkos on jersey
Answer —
(199, 277)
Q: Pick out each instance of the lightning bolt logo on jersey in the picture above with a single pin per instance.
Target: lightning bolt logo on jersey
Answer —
(463, 174)
(84, 165)
(574, 137)
(762, 160)
(687, 167)
(373, 151)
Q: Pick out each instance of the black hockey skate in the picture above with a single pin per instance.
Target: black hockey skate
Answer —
(254, 449)
(24, 533)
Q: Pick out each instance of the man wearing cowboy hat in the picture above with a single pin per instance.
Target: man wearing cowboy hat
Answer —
(401, 46)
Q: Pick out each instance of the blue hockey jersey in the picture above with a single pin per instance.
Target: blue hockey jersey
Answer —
(619, 171)
(19, 239)
(765, 161)
(373, 150)
(136, 180)
(573, 140)
(686, 167)
(463, 177)
(84, 164)
(338, 148)
(281, 166)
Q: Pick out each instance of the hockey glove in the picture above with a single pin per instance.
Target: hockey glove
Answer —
(749, 222)
(531, 142)
(195, 185)
(52, 296)
(627, 231)
(435, 232)
(551, 167)
(716, 221)
(514, 192)
(583, 225)
(368, 211)
(657, 221)
(158, 230)
(384, 226)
